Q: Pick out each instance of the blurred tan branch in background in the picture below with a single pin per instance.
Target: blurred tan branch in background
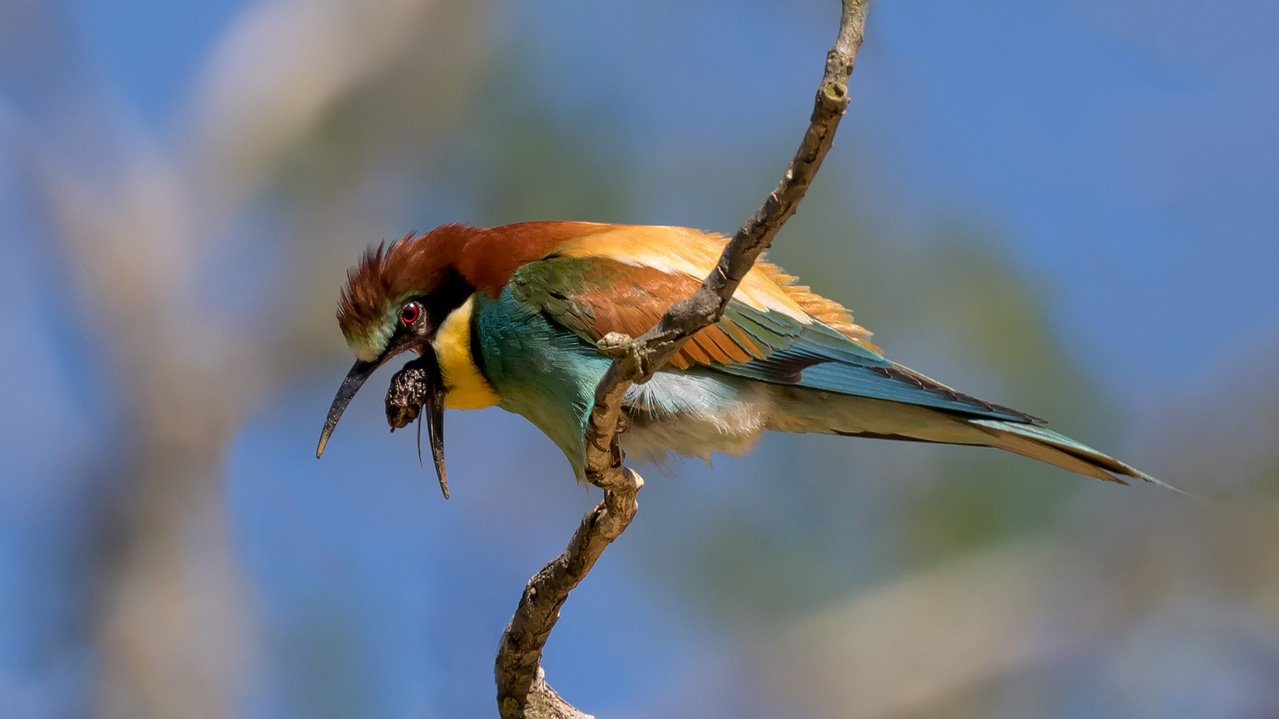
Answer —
(143, 229)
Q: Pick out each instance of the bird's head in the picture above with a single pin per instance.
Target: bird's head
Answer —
(397, 296)
(394, 301)
(408, 295)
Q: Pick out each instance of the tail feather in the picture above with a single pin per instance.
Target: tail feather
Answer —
(1045, 445)
(805, 410)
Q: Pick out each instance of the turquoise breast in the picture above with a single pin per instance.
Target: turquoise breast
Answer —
(540, 370)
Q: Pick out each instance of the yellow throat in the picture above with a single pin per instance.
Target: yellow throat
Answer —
(464, 385)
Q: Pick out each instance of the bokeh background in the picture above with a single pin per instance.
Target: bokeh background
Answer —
(1065, 207)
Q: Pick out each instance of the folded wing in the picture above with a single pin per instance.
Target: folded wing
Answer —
(772, 331)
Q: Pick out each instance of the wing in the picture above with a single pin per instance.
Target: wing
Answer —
(772, 331)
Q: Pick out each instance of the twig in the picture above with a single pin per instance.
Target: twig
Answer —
(522, 692)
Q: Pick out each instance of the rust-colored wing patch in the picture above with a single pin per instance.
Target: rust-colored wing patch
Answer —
(691, 253)
(631, 300)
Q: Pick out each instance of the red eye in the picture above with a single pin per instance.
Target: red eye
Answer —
(410, 312)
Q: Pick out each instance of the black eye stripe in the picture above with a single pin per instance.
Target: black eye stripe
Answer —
(433, 309)
(450, 295)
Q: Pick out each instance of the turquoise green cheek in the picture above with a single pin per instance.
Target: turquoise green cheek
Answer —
(541, 371)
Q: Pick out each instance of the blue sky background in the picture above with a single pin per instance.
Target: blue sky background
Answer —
(1124, 146)
(1104, 173)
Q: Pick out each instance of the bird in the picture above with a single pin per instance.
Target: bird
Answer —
(510, 316)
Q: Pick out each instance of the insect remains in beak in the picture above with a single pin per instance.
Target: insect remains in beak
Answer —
(417, 386)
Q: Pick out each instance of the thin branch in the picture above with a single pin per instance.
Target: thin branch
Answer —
(522, 692)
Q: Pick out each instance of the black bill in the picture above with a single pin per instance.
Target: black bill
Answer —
(346, 392)
(435, 430)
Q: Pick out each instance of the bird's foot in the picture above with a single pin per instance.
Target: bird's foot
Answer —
(623, 348)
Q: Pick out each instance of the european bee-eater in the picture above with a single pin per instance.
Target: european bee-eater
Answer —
(509, 316)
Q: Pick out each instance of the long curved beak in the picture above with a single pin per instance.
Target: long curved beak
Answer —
(435, 425)
(358, 375)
